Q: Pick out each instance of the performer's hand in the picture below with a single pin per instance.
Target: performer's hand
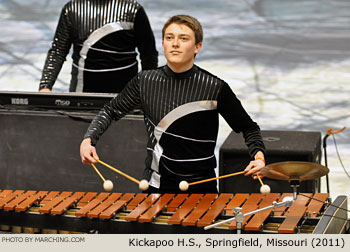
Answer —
(45, 90)
(88, 152)
(254, 168)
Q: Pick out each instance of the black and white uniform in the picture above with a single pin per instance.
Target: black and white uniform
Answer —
(181, 116)
(104, 34)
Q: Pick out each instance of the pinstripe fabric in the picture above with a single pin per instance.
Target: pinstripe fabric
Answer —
(161, 94)
(94, 14)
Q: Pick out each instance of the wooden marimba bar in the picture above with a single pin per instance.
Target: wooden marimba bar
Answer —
(163, 213)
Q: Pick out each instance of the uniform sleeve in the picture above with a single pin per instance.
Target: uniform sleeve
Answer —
(145, 41)
(235, 115)
(58, 52)
(117, 108)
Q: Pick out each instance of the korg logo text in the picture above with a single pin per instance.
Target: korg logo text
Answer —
(19, 101)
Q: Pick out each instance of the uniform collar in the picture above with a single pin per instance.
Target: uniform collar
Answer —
(182, 75)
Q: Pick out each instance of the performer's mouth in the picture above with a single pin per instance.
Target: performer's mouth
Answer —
(175, 52)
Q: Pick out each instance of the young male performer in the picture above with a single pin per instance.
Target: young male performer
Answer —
(181, 104)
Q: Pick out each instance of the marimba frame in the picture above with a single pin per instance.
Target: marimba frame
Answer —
(124, 222)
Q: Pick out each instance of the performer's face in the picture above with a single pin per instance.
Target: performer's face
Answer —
(179, 46)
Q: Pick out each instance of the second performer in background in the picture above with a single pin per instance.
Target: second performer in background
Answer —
(104, 35)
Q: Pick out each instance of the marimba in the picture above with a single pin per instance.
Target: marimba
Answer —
(169, 213)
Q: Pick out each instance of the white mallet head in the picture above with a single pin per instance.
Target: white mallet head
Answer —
(108, 185)
(183, 185)
(265, 189)
(143, 185)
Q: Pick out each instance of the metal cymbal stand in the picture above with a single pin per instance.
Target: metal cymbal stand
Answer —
(294, 183)
(239, 216)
